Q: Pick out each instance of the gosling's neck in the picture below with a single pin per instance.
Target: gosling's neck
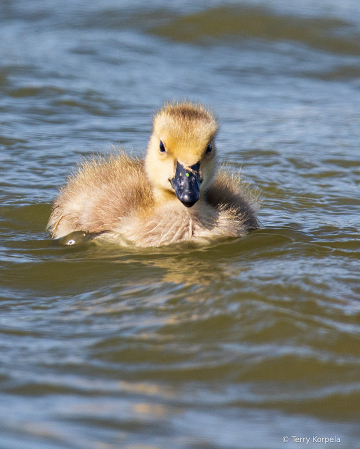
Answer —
(163, 196)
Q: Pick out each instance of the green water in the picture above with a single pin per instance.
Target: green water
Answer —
(237, 344)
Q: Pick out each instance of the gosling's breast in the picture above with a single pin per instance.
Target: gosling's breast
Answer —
(172, 223)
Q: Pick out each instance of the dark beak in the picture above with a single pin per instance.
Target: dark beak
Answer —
(186, 184)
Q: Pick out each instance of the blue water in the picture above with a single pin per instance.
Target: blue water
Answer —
(233, 345)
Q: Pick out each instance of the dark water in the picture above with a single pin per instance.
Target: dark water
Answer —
(235, 345)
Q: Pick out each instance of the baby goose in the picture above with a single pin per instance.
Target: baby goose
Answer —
(174, 195)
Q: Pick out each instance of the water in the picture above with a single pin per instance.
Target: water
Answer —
(233, 345)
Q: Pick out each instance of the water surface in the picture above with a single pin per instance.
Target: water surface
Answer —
(232, 345)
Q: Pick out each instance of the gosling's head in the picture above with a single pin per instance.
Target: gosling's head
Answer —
(181, 156)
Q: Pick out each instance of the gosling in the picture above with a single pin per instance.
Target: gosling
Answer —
(175, 194)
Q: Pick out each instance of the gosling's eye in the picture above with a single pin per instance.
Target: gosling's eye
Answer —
(162, 147)
(209, 149)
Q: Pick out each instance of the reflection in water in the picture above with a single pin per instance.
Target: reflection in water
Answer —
(75, 238)
(229, 22)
